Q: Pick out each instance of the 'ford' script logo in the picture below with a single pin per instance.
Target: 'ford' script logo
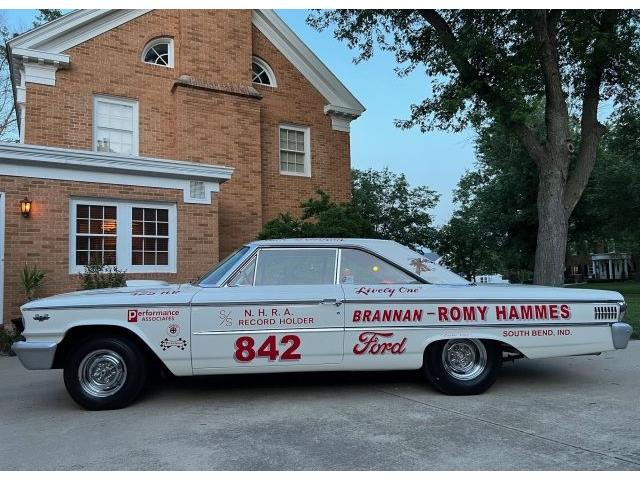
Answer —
(370, 343)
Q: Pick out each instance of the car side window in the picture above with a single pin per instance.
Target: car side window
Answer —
(362, 268)
(296, 266)
(244, 277)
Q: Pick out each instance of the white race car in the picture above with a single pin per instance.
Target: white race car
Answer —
(308, 305)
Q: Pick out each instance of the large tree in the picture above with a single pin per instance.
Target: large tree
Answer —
(494, 65)
(497, 198)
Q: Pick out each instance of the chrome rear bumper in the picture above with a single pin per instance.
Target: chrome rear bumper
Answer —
(621, 333)
(35, 355)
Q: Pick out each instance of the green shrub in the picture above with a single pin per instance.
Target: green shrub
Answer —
(101, 276)
(31, 279)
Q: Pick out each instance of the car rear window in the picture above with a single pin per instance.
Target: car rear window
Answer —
(362, 268)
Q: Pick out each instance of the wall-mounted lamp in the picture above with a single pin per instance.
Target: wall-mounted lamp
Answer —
(25, 207)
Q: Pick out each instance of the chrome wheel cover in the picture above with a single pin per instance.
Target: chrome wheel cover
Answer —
(102, 373)
(464, 359)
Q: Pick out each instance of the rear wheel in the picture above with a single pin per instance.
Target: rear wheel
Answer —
(105, 373)
(462, 366)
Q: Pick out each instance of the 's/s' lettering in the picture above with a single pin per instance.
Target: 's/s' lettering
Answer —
(245, 350)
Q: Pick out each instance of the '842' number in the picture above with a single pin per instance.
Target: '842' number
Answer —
(245, 350)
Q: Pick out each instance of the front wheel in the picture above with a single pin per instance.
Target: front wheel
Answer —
(462, 366)
(105, 373)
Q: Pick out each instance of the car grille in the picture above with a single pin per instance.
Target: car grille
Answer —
(605, 312)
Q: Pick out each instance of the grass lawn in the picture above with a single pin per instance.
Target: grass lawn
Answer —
(631, 292)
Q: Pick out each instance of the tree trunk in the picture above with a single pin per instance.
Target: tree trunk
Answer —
(553, 227)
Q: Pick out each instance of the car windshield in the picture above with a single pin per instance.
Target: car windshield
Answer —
(221, 269)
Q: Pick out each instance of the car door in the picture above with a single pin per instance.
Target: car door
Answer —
(282, 309)
(383, 307)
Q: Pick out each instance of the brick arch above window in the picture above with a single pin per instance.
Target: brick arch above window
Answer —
(159, 51)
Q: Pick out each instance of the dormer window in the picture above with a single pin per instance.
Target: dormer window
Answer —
(261, 73)
(159, 52)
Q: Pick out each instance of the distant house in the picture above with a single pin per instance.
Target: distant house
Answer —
(601, 266)
(490, 278)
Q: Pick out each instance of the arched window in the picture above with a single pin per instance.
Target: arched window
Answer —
(261, 73)
(159, 52)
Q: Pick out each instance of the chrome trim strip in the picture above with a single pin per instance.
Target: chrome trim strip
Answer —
(490, 325)
(505, 301)
(292, 303)
(394, 327)
(102, 306)
(316, 302)
(288, 330)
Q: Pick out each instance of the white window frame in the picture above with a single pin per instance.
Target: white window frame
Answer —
(124, 234)
(307, 149)
(265, 66)
(153, 43)
(116, 101)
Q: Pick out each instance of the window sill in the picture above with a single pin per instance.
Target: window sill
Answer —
(295, 174)
(131, 269)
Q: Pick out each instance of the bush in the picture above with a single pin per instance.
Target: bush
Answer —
(101, 276)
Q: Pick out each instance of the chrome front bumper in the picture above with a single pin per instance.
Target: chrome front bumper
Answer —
(621, 333)
(35, 355)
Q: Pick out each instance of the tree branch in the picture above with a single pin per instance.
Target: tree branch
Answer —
(590, 129)
(556, 111)
(471, 78)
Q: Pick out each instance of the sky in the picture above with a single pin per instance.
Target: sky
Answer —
(435, 159)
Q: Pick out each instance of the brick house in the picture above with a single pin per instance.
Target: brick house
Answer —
(161, 140)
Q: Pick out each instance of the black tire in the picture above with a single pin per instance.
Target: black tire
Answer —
(442, 376)
(118, 358)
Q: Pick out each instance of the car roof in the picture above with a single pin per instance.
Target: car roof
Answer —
(369, 243)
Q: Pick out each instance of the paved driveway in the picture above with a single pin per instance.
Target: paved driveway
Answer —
(567, 413)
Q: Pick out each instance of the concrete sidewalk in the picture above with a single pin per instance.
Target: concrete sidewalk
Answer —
(571, 413)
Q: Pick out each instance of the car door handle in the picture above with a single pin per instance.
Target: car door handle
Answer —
(331, 301)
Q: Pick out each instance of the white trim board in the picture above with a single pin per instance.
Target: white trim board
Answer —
(21, 160)
(73, 29)
(297, 52)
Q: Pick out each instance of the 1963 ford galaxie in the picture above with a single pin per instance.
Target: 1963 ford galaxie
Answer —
(308, 305)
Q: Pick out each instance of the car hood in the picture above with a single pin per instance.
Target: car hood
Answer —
(159, 293)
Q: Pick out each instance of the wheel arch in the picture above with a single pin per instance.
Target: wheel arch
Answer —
(505, 347)
(80, 332)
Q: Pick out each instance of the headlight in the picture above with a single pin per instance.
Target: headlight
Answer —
(623, 309)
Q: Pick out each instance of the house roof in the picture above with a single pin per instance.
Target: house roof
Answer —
(46, 44)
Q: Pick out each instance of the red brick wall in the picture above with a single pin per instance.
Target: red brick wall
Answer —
(43, 238)
(296, 101)
(225, 129)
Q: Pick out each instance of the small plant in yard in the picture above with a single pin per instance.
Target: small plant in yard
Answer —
(102, 276)
(31, 279)
(8, 335)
